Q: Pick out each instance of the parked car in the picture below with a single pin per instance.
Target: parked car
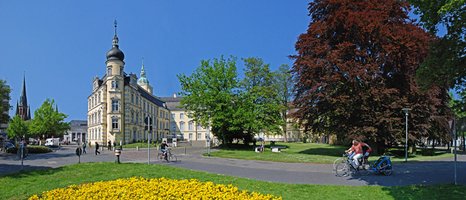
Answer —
(52, 142)
(9, 146)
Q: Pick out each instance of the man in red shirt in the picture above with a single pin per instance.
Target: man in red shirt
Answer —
(357, 150)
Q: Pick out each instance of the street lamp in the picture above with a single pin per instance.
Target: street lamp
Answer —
(406, 110)
(149, 130)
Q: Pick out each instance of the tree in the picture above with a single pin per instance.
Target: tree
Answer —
(4, 102)
(209, 95)
(355, 71)
(48, 121)
(284, 88)
(260, 107)
(445, 65)
(17, 128)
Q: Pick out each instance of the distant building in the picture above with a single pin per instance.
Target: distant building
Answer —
(182, 124)
(120, 105)
(77, 132)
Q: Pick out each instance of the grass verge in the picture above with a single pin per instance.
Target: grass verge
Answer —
(22, 185)
(306, 153)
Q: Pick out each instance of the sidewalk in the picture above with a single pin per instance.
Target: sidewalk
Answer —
(433, 172)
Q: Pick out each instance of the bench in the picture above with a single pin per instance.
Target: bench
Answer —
(277, 148)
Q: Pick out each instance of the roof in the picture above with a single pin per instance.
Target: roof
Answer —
(173, 103)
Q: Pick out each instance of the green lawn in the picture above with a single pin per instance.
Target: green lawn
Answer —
(23, 185)
(138, 144)
(306, 153)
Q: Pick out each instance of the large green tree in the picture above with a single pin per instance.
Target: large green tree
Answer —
(48, 121)
(17, 128)
(446, 63)
(260, 107)
(355, 71)
(284, 88)
(4, 102)
(209, 95)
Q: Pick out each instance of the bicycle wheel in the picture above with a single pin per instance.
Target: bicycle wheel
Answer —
(386, 169)
(335, 163)
(173, 158)
(342, 169)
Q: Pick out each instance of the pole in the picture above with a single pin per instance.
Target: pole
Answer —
(148, 148)
(454, 137)
(406, 139)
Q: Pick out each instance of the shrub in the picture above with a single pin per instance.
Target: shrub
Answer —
(38, 149)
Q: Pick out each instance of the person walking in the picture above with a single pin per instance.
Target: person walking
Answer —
(84, 148)
(97, 148)
(109, 145)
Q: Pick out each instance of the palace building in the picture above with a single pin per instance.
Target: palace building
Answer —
(122, 108)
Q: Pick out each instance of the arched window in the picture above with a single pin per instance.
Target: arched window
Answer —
(190, 125)
(181, 126)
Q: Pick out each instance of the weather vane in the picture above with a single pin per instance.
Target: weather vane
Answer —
(115, 23)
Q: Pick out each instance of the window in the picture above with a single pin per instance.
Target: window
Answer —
(114, 105)
(190, 125)
(173, 115)
(199, 127)
(137, 99)
(173, 126)
(199, 136)
(109, 70)
(98, 117)
(115, 123)
(98, 98)
(181, 115)
(132, 117)
(190, 136)
(115, 84)
(181, 125)
(132, 98)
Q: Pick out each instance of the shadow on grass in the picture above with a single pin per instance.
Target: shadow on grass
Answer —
(334, 151)
(15, 171)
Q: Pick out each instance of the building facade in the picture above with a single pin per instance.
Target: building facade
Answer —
(77, 132)
(122, 108)
(182, 125)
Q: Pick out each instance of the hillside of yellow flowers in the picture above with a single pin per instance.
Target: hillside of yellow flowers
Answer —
(156, 188)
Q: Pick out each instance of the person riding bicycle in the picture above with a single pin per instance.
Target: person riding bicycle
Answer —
(356, 151)
(163, 148)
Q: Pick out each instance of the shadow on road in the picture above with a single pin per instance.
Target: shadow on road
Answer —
(426, 173)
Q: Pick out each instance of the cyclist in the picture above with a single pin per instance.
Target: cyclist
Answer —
(163, 148)
(357, 151)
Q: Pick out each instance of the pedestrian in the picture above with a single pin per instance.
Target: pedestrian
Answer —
(84, 148)
(109, 146)
(97, 148)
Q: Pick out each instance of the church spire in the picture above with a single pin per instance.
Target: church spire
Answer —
(22, 108)
(23, 99)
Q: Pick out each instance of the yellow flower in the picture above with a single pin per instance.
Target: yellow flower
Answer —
(156, 188)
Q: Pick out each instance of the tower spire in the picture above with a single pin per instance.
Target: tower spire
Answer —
(143, 72)
(115, 37)
(23, 98)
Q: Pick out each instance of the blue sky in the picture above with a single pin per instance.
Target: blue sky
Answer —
(61, 45)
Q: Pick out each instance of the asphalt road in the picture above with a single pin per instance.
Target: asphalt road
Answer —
(433, 172)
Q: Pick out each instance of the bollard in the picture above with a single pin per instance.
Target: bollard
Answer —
(117, 154)
(137, 148)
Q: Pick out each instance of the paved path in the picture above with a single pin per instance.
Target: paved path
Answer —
(433, 172)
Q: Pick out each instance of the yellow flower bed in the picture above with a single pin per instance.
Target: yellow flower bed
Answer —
(156, 188)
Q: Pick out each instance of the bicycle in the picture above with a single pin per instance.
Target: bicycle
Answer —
(168, 156)
(344, 166)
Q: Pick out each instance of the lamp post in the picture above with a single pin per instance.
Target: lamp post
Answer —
(406, 111)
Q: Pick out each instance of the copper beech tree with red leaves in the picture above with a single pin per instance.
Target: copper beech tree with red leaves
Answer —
(355, 71)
